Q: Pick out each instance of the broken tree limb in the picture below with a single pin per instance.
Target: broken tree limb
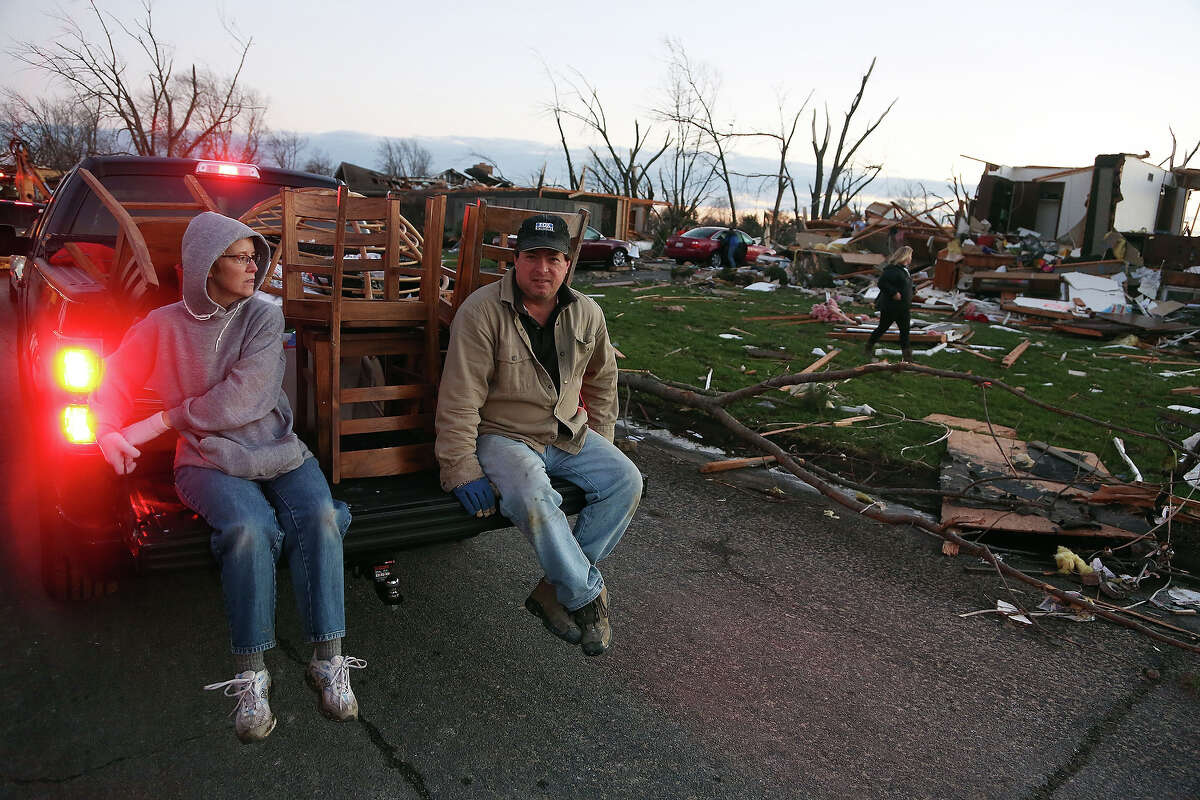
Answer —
(714, 406)
(736, 463)
(829, 376)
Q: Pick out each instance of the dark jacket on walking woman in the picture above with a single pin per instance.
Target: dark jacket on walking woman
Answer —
(894, 301)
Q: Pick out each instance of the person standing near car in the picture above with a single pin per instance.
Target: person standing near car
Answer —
(528, 393)
(216, 360)
(894, 301)
(732, 246)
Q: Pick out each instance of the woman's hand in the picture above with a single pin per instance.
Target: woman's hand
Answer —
(118, 452)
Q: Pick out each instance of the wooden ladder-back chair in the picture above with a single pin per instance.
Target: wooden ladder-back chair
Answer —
(149, 242)
(345, 303)
(498, 223)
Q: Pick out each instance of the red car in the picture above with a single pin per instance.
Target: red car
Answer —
(597, 248)
(704, 246)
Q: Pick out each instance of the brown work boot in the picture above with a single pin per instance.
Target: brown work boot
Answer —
(543, 602)
(593, 621)
(906, 354)
(869, 349)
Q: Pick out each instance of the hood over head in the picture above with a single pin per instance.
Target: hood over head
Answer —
(206, 237)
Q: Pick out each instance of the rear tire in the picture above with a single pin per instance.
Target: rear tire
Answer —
(715, 259)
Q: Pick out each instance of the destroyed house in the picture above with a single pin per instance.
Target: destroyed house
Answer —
(1118, 192)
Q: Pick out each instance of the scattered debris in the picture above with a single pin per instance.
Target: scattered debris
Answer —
(1012, 357)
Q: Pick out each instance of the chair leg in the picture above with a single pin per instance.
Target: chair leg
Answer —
(335, 405)
(322, 374)
(303, 371)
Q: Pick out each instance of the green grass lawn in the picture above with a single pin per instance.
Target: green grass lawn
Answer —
(684, 346)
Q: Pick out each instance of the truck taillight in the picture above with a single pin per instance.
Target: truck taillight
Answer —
(227, 169)
(77, 425)
(78, 369)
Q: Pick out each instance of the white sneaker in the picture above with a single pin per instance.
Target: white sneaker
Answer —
(331, 681)
(253, 720)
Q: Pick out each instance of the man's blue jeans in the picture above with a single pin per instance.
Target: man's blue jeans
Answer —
(612, 486)
(253, 522)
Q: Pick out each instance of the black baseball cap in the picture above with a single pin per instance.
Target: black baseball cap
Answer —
(544, 231)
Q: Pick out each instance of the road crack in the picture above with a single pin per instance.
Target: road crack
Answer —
(391, 753)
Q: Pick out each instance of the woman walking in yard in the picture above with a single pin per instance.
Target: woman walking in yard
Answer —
(894, 301)
(215, 359)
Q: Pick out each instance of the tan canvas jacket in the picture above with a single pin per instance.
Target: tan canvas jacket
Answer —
(492, 383)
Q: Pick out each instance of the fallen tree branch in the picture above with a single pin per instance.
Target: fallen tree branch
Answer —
(715, 407)
(728, 398)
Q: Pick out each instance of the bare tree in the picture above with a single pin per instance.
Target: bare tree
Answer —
(781, 179)
(703, 89)
(284, 149)
(404, 158)
(57, 133)
(556, 108)
(620, 170)
(686, 175)
(1170, 160)
(319, 163)
(167, 112)
(844, 181)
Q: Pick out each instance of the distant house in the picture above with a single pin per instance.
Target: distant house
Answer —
(1118, 192)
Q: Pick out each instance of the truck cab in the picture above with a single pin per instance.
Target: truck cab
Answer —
(72, 313)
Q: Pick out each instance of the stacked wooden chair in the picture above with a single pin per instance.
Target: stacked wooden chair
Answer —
(149, 234)
(497, 225)
(359, 281)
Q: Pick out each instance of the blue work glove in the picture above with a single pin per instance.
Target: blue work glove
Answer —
(477, 497)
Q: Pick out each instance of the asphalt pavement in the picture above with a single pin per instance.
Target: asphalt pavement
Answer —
(762, 648)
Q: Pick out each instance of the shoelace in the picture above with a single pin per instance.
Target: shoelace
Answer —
(241, 688)
(340, 680)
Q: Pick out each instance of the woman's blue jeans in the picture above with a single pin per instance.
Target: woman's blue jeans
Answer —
(253, 522)
(612, 486)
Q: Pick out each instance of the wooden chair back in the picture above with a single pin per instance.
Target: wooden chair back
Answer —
(149, 242)
(351, 261)
(488, 232)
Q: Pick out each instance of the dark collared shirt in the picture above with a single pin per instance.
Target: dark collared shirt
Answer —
(541, 337)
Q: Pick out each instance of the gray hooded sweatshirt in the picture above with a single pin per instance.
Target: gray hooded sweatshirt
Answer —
(218, 371)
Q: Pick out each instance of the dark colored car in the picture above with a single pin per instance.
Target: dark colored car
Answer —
(69, 319)
(704, 246)
(599, 249)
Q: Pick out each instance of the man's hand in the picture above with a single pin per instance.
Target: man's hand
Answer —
(477, 497)
(899, 296)
(118, 452)
(144, 430)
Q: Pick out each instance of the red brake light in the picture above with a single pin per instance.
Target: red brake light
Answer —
(77, 425)
(227, 169)
(78, 369)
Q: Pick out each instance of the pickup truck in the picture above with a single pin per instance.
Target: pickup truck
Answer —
(93, 524)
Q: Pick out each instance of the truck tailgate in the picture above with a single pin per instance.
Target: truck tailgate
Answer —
(389, 514)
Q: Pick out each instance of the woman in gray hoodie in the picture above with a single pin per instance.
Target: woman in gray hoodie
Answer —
(216, 360)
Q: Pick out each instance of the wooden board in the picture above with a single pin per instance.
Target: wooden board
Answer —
(1012, 522)
(972, 425)
(1012, 357)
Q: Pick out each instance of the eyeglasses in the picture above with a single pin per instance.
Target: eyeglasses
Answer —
(241, 258)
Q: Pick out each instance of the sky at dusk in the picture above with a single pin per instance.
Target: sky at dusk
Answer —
(1016, 83)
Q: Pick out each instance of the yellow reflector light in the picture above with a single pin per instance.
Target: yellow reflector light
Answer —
(77, 425)
(78, 369)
